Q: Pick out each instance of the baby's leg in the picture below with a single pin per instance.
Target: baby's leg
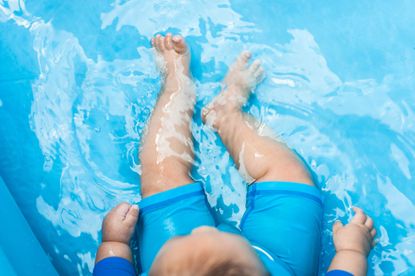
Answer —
(167, 150)
(261, 158)
(271, 221)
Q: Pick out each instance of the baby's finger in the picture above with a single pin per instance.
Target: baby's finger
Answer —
(359, 217)
(369, 222)
(373, 232)
(132, 215)
(121, 209)
(337, 225)
(118, 212)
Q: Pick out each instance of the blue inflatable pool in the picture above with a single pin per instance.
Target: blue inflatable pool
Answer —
(78, 82)
(20, 251)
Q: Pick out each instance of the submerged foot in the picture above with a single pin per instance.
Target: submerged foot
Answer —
(242, 77)
(173, 54)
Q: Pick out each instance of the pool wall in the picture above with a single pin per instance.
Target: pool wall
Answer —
(20, 251)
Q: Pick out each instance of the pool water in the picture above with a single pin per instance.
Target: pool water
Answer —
(78, 82)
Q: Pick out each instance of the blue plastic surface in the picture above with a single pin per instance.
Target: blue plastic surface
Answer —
(6, 268)
(20, 251)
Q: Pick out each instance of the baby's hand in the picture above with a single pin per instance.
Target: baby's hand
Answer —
(356, 236)
(119, 224)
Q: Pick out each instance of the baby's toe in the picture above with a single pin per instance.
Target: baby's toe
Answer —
(259, 74)
(179, 45)
(168, 44)
(255, 66)
(243, 59)
(159, 42)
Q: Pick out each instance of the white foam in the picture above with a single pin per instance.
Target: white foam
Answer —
(288, 82)
(242, 167)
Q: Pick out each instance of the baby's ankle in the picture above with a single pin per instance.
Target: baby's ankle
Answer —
(219, 115)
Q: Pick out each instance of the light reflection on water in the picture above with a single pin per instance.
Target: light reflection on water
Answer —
(92, 83)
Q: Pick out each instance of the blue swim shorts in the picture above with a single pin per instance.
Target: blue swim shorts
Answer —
(282, 222)
(174, 212)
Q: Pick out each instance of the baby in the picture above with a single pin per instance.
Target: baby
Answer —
(279, 233)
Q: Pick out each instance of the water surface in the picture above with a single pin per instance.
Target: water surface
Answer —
(78, 82)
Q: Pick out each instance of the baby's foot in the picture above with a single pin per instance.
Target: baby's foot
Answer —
(239, 82)
(119, 224)
(243, 76)
(173, 54)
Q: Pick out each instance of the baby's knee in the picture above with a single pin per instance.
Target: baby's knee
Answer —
(289, 170)
(160, 179)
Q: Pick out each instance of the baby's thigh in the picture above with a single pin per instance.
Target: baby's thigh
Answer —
(284, 219)
(166, 175)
